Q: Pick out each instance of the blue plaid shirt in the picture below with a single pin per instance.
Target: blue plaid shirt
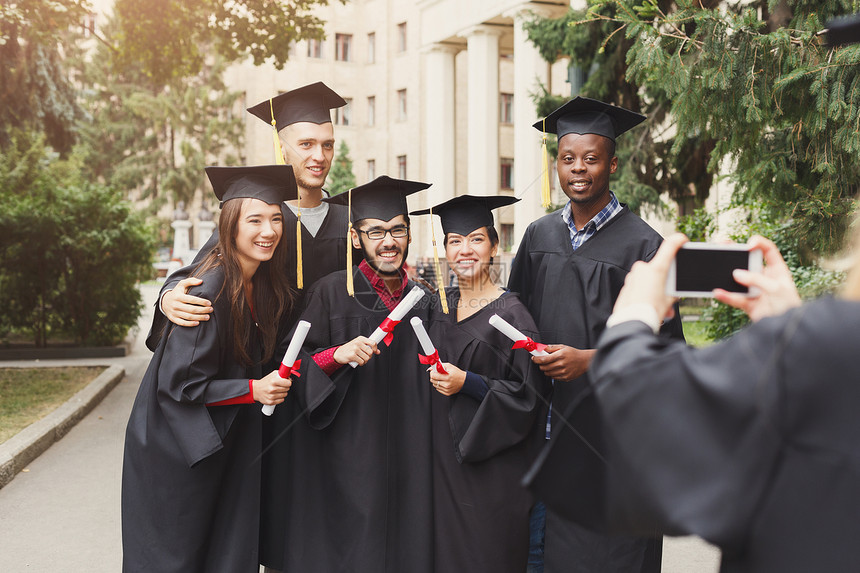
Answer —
(577, 238)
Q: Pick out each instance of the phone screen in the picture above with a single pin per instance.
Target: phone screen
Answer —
(704, 270)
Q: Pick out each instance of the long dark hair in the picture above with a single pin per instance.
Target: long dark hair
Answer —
(273, 298)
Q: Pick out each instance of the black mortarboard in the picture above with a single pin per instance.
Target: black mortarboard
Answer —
(841, 31)
(272, 184)
(308, 103)
(584, 115)
(383, 198)
(465, 213)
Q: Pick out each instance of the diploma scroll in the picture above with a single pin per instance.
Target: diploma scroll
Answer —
(520, 339)
(431, 355)
(383, 331)
(289, 361)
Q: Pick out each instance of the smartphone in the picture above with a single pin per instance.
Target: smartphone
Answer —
(699, 268)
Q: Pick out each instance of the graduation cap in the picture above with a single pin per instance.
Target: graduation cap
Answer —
(272, 184)
(841, 31)
(383, 198)
(465, 213)
(462, 215)
(309, 103)
(583, 115)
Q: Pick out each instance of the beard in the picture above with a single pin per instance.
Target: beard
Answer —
(374, 265)
(303, 183)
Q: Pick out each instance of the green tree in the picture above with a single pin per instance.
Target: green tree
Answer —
(155, 141)
(753, 81)
(34, 83)
(73, 251)
(170, 39)
(341, 178)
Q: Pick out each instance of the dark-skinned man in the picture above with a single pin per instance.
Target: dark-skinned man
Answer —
(570, 267)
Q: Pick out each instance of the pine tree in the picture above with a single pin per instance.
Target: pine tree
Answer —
(752, 81)
(341, 178)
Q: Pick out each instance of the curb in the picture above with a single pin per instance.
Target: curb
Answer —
(29, 443)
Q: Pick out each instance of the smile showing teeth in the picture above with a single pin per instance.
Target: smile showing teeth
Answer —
(579, 184)
(265, 245)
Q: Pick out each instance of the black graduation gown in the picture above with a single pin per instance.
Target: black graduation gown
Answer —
(359, 496)
(752, 444)
(321, 254)
(190, 479)
(570, 294)
(482, 449)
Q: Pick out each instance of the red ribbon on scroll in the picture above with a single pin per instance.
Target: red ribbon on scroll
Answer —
(285, 371)
(433, 359)
(529, 344)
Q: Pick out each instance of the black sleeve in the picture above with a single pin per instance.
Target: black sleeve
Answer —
(691, 434)
(519, 280)
(159, 321)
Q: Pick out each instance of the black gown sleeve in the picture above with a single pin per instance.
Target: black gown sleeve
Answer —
(504, 418)
(515, 401)
(188, 379)
(519, 280)
(159, 320)
(692, 435)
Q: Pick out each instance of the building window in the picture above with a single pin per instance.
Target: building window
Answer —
(401, 37)
(315, 48)
(371, 110)
(506, 236)
(506, 175)
(401, 166)
(371, 48)
(401, 105)
(343, 114)
(371, 169)
(506, 108)
(343, 47)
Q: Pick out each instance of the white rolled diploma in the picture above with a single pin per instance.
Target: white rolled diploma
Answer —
(397, 314)
(505, 328)
(424, 339)
(422, 336)
(291, 354)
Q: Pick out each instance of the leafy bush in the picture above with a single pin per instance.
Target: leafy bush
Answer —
(72, 251)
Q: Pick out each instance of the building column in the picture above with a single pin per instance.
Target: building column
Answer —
(483, 110)
(439, 138)
(530, 72)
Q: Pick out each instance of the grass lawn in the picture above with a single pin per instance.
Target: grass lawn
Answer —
(29, 394)
(696, 334)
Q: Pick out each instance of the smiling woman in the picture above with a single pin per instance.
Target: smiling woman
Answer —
(190, 484)
(488, 404)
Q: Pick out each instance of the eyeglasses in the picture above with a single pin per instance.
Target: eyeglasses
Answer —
(379, 234)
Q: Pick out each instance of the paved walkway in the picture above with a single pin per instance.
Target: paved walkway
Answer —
(62, 514)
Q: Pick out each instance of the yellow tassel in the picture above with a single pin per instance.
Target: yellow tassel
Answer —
(350, 288)
(440, 280)
(545, 197)
(279, 154)
(300, 283)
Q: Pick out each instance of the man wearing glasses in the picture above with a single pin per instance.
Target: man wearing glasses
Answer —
(360, 495)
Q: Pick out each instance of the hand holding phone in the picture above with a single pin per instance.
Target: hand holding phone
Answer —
(700, 268)
(775, 283)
